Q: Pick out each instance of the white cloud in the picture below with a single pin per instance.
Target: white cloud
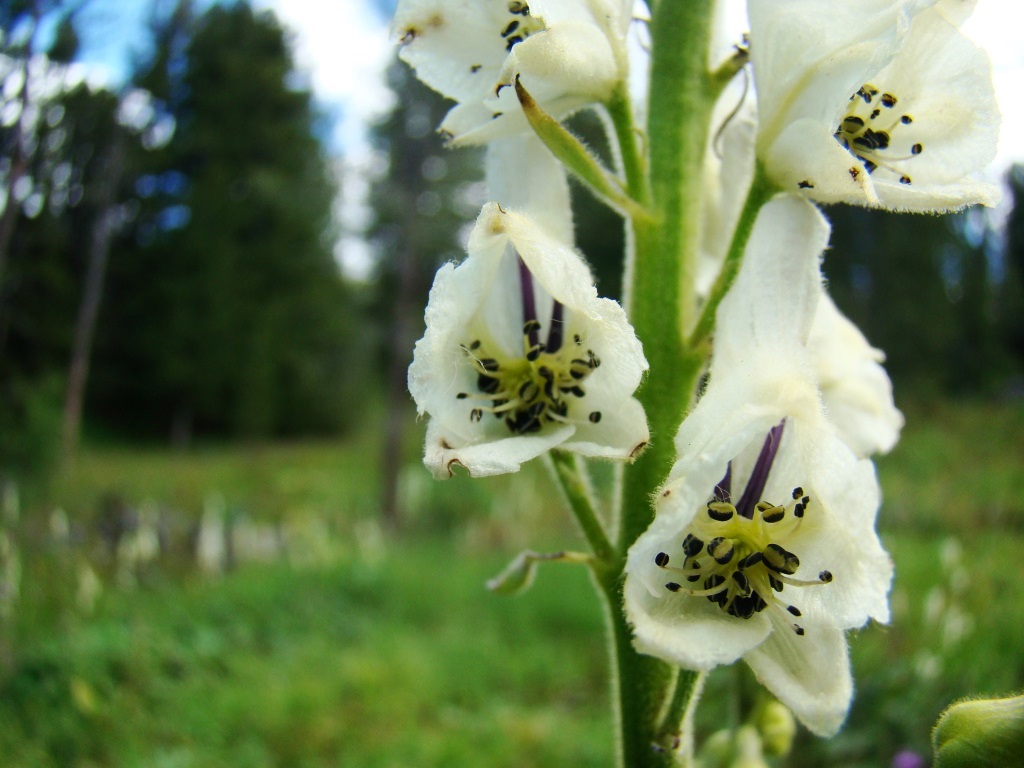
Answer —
(344, 48)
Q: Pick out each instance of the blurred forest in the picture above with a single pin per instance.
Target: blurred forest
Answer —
(167, 251)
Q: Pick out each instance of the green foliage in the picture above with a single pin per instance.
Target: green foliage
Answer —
(360, 671)
(395, 654)
(29, 426)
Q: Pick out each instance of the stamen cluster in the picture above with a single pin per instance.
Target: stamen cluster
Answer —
(868, 140)
(532, 390)
(737, 562)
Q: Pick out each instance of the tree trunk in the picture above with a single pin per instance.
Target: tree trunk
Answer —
(105, 225)
(397, 404)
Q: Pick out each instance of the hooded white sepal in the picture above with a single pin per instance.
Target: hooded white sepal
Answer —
(883, 103)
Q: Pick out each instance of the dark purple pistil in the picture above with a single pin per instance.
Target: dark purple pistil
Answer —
(529, 303)
(759, 477)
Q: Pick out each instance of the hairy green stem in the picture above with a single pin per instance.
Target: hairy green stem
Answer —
(634, 164)
(664, 265)
(661, 282)
(686, 685)
(569, 471)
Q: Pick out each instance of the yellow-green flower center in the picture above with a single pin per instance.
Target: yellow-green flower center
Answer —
(533, 390)
(740, 563)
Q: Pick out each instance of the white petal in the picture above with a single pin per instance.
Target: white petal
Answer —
(855, 387)
(809, 674)
(945, 83)
(524, 177)
(438, 371)
(622, 430)
(455, 46)
(689, 631)
(837, 533)
(735, 414)
(938, 199)
(806, 156)
(772, 302)
(567, 279)
(792, 41)
(469, 49)
(809, 57)
(573, 58)
(495, 457)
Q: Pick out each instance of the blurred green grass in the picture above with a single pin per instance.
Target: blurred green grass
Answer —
(391, 653)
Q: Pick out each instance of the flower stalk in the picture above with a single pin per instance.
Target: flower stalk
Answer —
(661, 302)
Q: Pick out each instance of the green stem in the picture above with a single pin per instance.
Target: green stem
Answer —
(664, 265)
(634, 164)
(682, 698)
(570, 476)
(661, 302)
(760, 192)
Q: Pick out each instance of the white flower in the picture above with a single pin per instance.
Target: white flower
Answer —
(854, 386)
(521, 356)
(880, 102)
(569, 53)
(763, 545)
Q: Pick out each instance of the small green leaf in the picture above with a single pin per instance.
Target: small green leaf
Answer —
(519, 574)
(576, 157)
(980, 733)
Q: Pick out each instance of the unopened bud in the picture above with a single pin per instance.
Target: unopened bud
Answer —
(749, 750)
(983, 733)
(716, 751)
(777, 727)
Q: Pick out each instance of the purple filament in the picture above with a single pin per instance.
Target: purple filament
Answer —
(759, 476)
(529, 302)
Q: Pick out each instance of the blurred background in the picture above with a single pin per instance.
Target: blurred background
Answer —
(218, 227)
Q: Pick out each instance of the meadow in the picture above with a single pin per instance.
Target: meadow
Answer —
(326, 641)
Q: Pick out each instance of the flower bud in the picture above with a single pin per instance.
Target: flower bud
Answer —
(716, 750)
(777, 727)
(749, 749)
(983, 733)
